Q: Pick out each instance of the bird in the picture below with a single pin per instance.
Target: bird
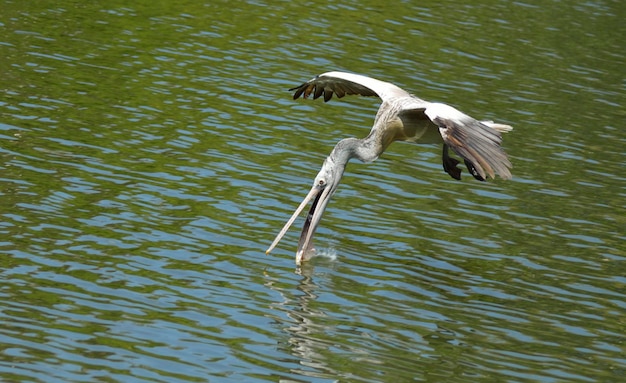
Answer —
(400, 117)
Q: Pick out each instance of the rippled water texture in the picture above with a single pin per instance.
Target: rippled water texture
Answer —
(150, 152)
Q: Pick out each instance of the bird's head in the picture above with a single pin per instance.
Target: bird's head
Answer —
(324, 186)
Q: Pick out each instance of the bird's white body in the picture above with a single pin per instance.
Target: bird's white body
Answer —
(437, 110)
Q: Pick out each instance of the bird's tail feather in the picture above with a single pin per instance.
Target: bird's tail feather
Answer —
(499, 127)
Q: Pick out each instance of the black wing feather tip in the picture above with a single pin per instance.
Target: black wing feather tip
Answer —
(299, 90)
(317, 92)
(328, 94)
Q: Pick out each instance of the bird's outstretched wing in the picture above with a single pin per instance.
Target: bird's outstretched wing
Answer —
(342, 83)
(478, 143)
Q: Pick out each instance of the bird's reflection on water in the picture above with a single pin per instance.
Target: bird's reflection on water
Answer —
(305, 335)
(311, 334)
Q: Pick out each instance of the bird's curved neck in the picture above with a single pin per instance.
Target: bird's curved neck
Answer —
(363, 149)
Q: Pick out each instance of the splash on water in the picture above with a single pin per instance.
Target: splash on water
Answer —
(329, 254)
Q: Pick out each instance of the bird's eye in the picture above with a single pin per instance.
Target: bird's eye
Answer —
(321, 182)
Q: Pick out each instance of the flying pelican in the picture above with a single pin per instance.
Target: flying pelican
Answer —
(401, 117)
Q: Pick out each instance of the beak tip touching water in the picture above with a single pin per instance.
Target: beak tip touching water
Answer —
(303, 255)
(298, 258)
(320, 197)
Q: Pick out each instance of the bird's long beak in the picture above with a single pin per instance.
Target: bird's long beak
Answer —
(320, 196)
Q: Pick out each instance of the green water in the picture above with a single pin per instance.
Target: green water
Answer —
(150, 152)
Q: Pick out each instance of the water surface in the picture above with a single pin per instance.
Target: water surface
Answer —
(151, 151)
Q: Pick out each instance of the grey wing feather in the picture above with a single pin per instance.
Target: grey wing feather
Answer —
(476, 143)
(342, 83)
(328, 87)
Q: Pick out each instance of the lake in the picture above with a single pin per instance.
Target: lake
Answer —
(151, 151)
